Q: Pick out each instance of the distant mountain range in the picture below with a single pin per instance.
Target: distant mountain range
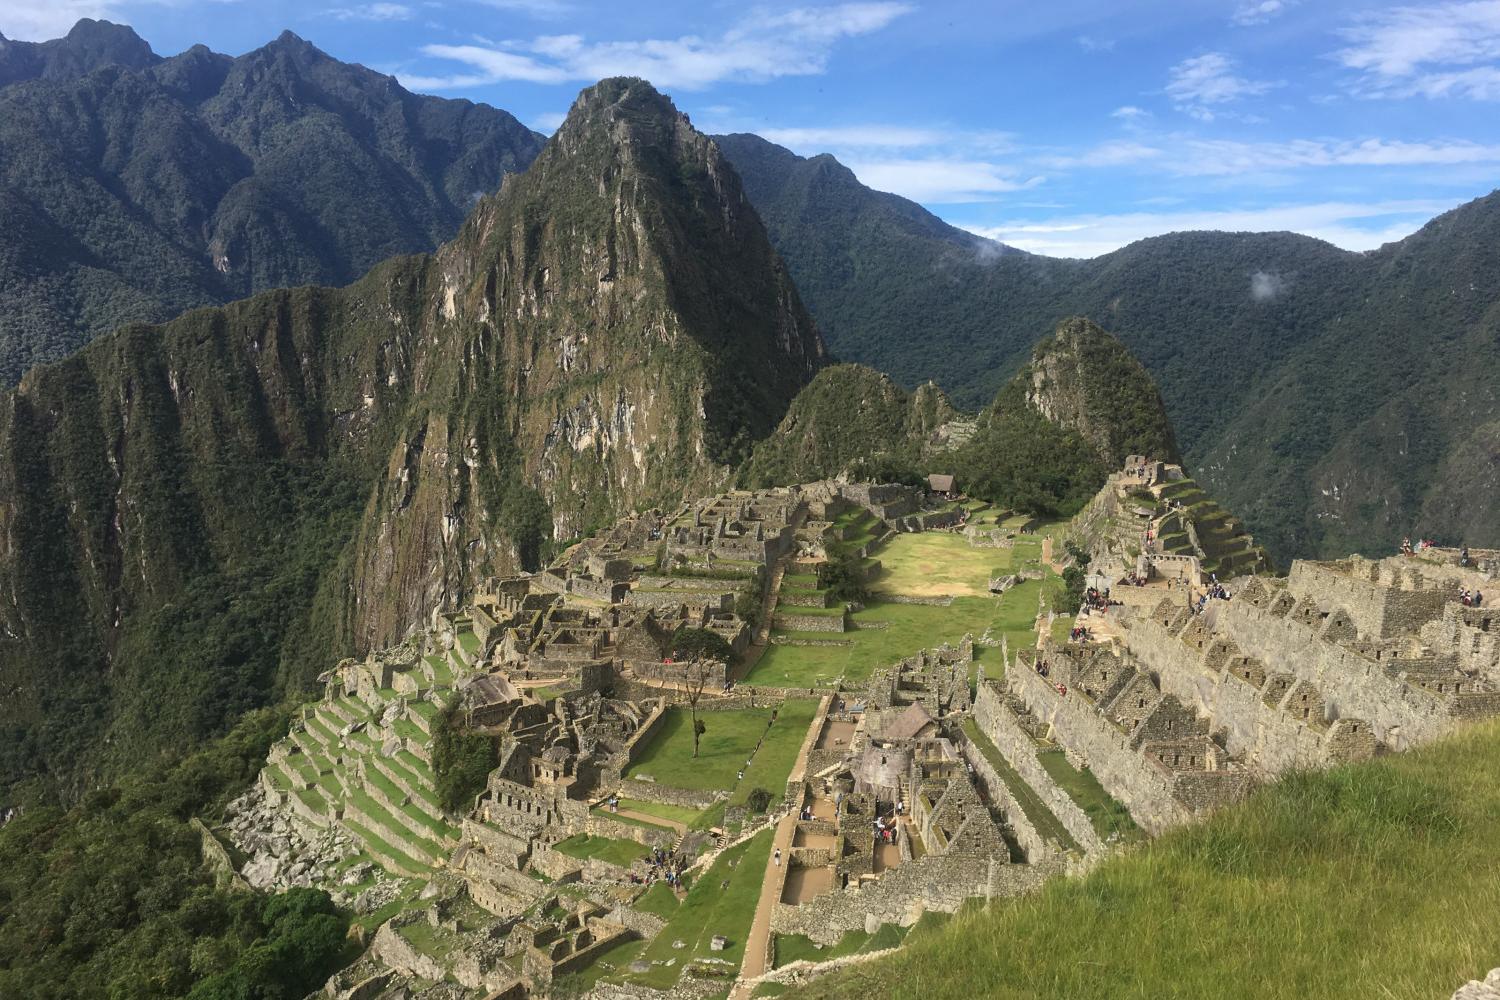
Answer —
(134, 187)
(1335, 400)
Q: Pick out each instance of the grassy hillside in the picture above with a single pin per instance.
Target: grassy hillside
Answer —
(1378, 879)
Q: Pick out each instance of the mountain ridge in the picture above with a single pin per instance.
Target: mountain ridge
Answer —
(1225, 323)
(137, 187)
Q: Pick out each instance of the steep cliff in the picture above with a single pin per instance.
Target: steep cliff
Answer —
(1082, 379)
(196, 516)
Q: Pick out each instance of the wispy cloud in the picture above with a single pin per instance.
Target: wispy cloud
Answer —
(1254, 12)
(762, 46)
(853, 136)
(1439, 50)
(1188, 156)
(1091, 44)
(1351, 225)
(1130, 113)
(943, 181)
(549, 122)
(1202, 85)
(373, 12)
(39, 20)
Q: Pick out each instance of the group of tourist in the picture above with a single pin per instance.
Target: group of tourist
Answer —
(1470, 598)
(665, 866)
(1423, 544)
(1095, 599)
(1079, 633)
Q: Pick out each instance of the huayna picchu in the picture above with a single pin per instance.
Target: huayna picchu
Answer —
(549, 613)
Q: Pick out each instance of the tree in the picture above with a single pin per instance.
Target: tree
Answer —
(462, 760)
(699, 646)
(843, 576)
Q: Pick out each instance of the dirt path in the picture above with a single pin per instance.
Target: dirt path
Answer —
(757, 945)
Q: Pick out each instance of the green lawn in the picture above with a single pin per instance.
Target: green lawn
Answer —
(709, 910)
(1378, 879)
(1041, 817)
(800, 948)
(659, 900)
(615, 852)
(922, 564)
(1107, 815)
(728, 742)
(678, 814)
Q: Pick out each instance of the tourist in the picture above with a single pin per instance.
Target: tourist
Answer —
(777, 858)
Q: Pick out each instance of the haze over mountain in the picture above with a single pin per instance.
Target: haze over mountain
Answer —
(197, 517)
(1336, 400)
(134, 187)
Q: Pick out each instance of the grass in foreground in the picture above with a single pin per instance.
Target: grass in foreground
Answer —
(1372, 880)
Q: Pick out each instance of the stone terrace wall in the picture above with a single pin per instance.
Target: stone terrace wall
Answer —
(1381, 601)
(1033, 844)
(995, 720)
(1086, 735)
(1352, 685)
(1270, 739)
(900, 895)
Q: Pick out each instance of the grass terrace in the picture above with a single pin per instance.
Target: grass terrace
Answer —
(927, 565)
(1041, 817)
(728, 742)
(1377, 879)
(708, 910)
(1108, 815)
(615, 852)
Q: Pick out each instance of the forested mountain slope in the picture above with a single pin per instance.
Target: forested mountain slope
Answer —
(199, 516)
(1336, 400)
(133, 187)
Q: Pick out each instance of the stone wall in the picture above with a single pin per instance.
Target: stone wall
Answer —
(1351, 684)
(996, 721)
(1089, 738)
(1382, 601)
(1239, 705)
(900, 895)
(790, 621)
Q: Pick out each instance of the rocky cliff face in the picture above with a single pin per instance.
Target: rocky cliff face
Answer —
(1084, 380)
(192, 514)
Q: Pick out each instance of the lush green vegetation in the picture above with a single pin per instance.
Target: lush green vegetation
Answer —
(791, 948)
(111, 897)
(849, 419)
(1041, 817)
(710, 909)
(207, 162)
(1286, 364)
(1342, 883)
(462, 760)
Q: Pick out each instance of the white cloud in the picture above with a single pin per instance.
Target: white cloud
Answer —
(1437, 50)
(1130, 113)
(761, 46)
(820, 139)
(40, 20)
(1187, 156)
(942, 181)
(1090, 44)
(549, 122)
(1254, 12)
(373, 12)
(1199, 85)
(1353, 226)
(1266, 286)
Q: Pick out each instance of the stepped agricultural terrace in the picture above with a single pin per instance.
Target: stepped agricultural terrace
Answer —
(610, 850)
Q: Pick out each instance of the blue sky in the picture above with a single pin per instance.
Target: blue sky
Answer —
(1067, 127)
